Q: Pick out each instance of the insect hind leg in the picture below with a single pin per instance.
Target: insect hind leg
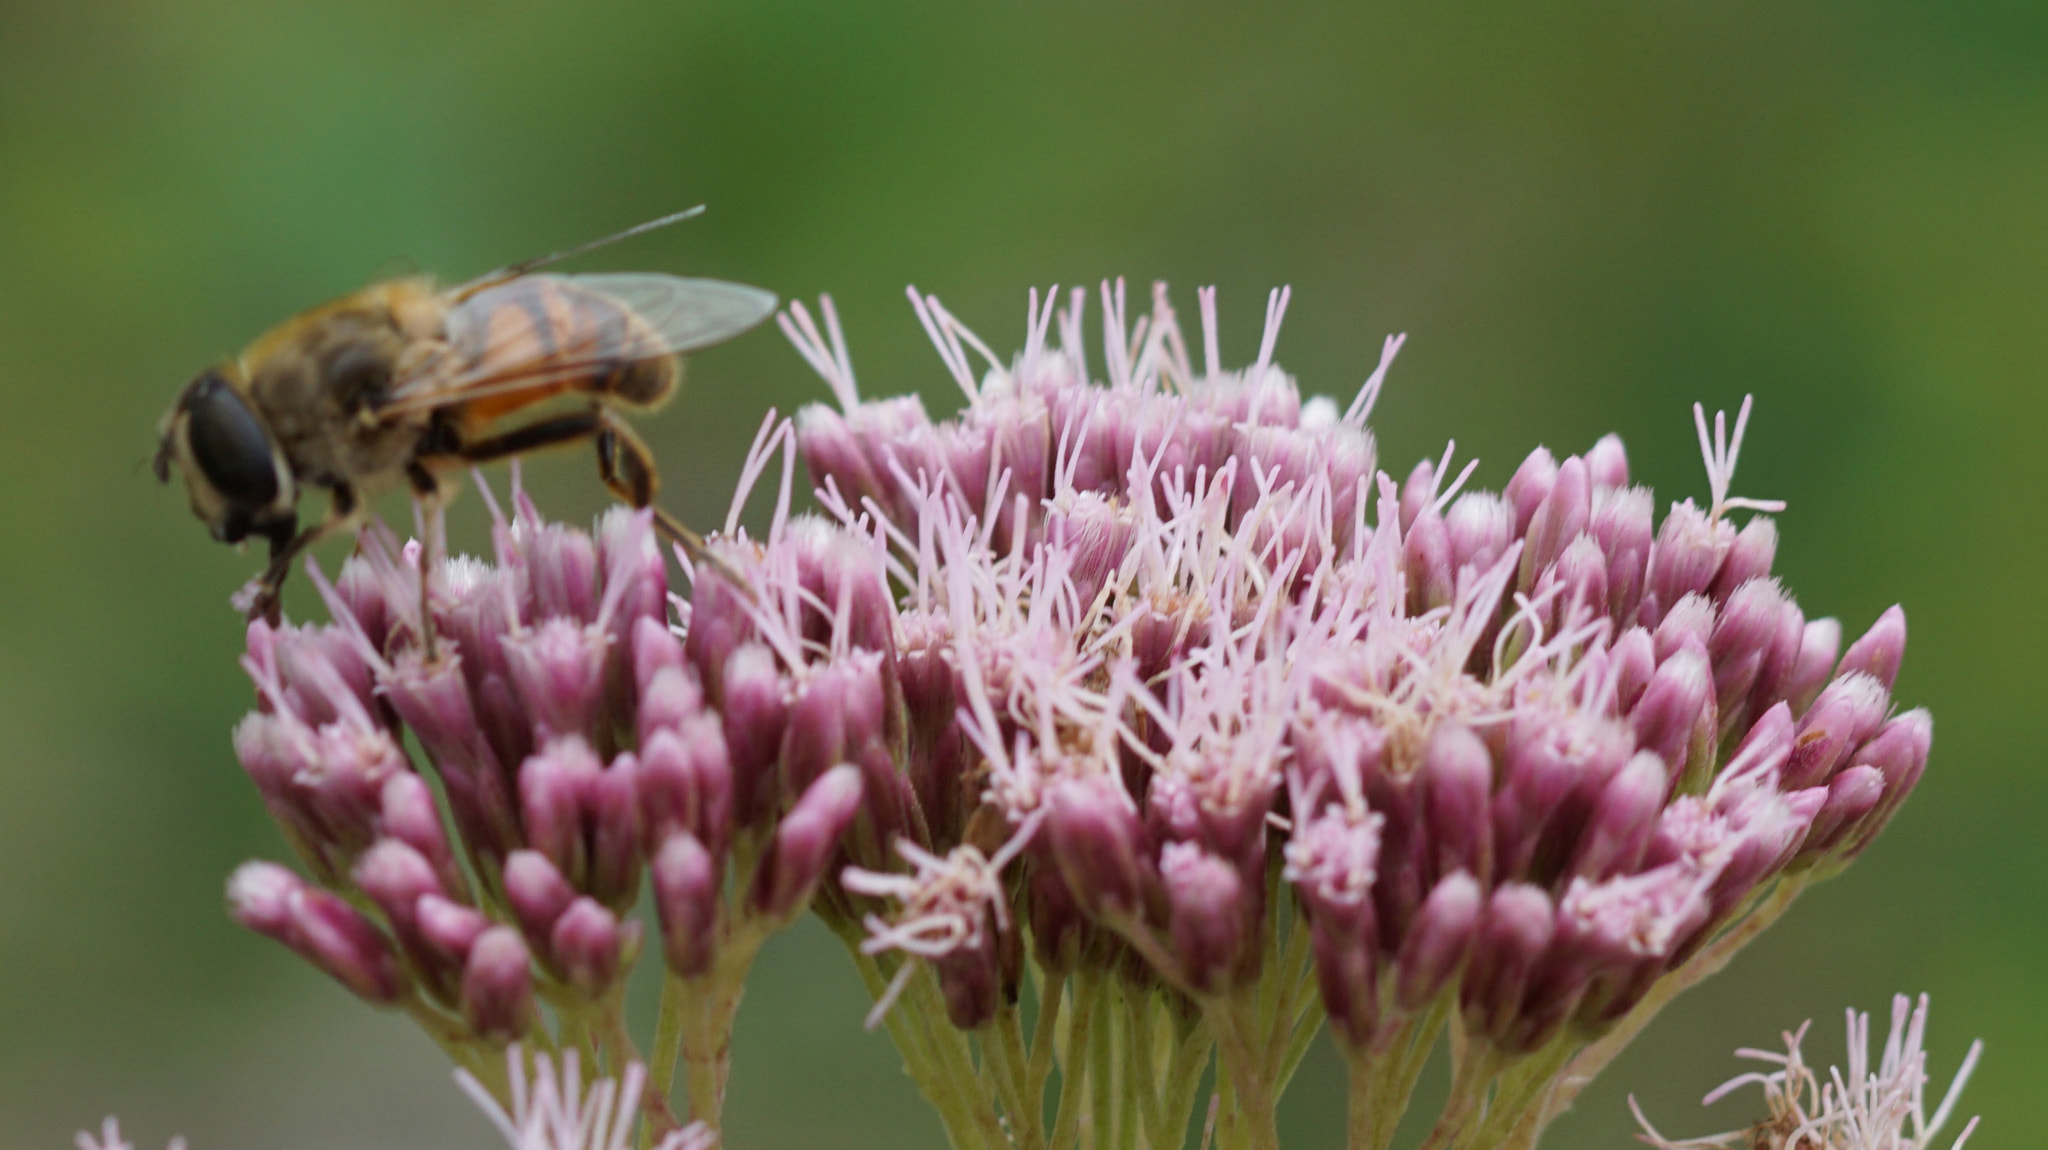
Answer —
(627, 468)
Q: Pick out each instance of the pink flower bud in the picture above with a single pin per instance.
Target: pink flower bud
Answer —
(1632, 660)
(1556, 765)
(685, 782)
(1624, 521)
(1530, 486)
(755, 712)
(1456, 789)
(553, 795)
(1347, 976)
(833, 451)
(588, 946)
(1899, 750)
(1774, 670)
(655, 649)
(537, 894)
(410, 816)
(361, 590)
(1558, 520)
(434, 701)
(558, 668)
(804, 842)
(1760, 758)
(325, 784)
(1819, 643)
(1095, 532)
(1435, 949)
(1580, 574)
(1607, 463)
(1849, 710)
(1059, 930)
(686, 887)
(1749, 557)
(1742, 637)
(395, 876)
(836, 715)
(322, 927)
(1675, 709)
(1516, 930)
(1480, 525)
(1852, 794)
(635, 574)
(497, 987)
(1688, 621)
(1417, 493)
(1687, 554)
(1432, 577)
(1206, 912)
(561, 568)
(1623, 821)
(1098, 843)
(719, 626)
(672, 698)
(612, 827)
(1880, 650)
(449, 927)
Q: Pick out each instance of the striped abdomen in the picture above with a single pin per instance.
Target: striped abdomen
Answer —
(536, 337)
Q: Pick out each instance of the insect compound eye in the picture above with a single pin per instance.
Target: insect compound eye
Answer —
(229, 444)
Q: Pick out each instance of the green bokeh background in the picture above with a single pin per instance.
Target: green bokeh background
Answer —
(1586, 215)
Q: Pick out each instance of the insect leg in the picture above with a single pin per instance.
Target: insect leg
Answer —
(427, 490)
(286, 546)
(543, 433)
(627, 468)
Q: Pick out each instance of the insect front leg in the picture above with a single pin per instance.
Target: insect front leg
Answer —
(262, 597)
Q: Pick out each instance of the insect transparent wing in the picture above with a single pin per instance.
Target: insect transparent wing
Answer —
(661, 315)
(686, 313)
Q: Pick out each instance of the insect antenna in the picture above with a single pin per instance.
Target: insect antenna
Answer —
(514, 271)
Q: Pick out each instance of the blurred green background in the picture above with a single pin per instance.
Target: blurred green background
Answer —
(1586, 216)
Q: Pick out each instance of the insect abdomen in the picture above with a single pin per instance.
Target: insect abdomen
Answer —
(566, 337)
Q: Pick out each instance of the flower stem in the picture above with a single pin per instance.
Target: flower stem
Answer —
(1244, 1057)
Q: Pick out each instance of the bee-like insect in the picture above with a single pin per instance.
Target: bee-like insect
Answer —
(403, 380)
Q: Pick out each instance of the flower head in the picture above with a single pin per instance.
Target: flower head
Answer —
(552, 1110)
(1862, 1107)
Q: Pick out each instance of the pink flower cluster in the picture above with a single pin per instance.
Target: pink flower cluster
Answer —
(569, 733)
(1157, 681)
(1532, 749)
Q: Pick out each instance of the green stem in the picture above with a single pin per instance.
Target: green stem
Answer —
(1474, 1067)
(1044, 1037)
(1003, 1050)
(1191, 1049)
(1141, 1069)
(1066, 1127)
(668, 1045)
(1248, 1062)
(1102, 1074)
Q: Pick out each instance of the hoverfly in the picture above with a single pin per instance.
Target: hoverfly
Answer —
(404, 380)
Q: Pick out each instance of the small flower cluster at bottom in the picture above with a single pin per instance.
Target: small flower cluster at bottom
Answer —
(547, 1109)
(1865, 1107)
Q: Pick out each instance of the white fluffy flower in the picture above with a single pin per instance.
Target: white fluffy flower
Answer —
(1860, 1108)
